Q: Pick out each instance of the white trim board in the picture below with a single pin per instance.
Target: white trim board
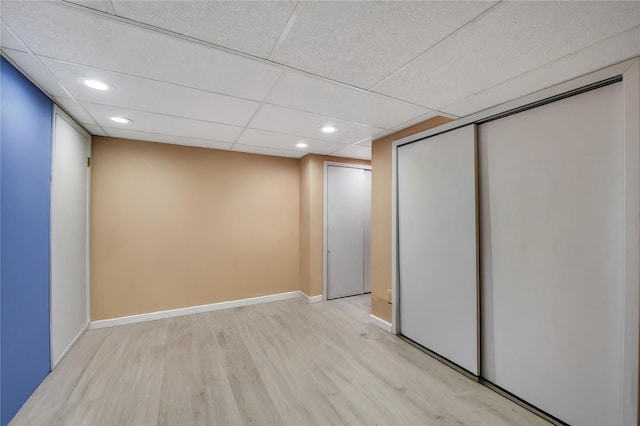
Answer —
(111, 322)
(310, 299)
(631, 80)
(379, 322)
(54, 363)
(395, 306)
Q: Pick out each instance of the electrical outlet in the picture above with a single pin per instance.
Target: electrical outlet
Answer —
(389, 299)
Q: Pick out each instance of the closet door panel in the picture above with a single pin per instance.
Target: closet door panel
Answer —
(552, 227)
(437, 239)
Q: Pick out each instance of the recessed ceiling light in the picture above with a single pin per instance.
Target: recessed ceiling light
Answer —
(328, 128)
(301, 145)
(94, 84)
(121, 120)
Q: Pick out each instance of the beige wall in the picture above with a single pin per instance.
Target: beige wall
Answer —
(311, 219)
(381, 215)
(305, 225)
(175, 226)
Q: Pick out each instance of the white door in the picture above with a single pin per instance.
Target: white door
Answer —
(438, 246)
(367, 231)
(346, 202)
(69, 212)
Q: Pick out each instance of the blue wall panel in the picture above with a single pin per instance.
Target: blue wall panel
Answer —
(25, 168)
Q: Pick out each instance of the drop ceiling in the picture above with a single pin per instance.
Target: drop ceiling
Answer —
(263, 76)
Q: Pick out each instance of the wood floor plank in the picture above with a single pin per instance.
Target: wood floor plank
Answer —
(280, 363)
(212, 396)
(251, 395)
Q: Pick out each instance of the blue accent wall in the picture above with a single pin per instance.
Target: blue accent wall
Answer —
(25, 169)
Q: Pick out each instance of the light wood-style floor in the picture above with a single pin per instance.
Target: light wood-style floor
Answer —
(281, 363)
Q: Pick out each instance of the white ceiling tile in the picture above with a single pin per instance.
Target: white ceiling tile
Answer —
(68, 33)
(312, 94)
(287, 142)
(175, 140)
(162, 124)
(153, 96)
(267, 151)
(37, 72)
(612, 50)
(508, 40)
(354, 151)
(8, 40)
(94, 130)
(77, 111)
(175, 89)
(102, 6)
(251, 27)
(360, 42)
(294, 122)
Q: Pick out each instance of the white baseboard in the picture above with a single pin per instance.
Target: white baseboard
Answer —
(55, 362)
(310, 299)
(386, 326)
(193, 310)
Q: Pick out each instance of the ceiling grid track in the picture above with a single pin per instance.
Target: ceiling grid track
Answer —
(285, 31)
(248, 123)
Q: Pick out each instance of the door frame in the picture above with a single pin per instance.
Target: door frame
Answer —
(57, 111)
(325, 212)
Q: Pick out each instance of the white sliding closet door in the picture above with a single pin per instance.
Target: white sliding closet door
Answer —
(437, 239)
(553, 240)
(69, 216)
